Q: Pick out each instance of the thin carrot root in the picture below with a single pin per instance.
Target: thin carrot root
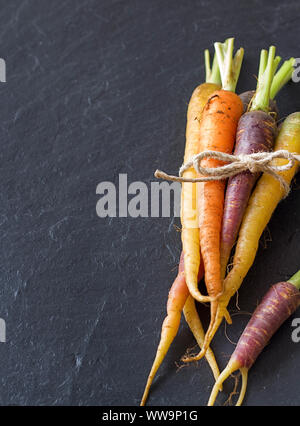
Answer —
(221, 313)
(213, 328)
(194, 323)
(227, 317)
(168, 334)
(244, 372)
(213, 313)
(197, 295)
(231, 368)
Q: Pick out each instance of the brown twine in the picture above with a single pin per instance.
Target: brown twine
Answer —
(259, 162)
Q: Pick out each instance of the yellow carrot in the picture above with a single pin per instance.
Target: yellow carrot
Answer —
(261, 206)
(189, 217)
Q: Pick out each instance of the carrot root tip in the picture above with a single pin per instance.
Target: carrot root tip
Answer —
(231, 368)
(244, 372)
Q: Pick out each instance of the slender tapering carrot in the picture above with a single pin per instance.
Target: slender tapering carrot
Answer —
(277, 306)
(256, 132)
(263, 201)
(217, 133)
(190, 263)
(176, 300)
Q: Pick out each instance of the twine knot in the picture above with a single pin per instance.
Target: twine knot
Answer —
(259, 162)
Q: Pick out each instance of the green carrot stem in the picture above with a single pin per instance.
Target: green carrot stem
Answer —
(295, 280)
(262, 63)
(282, 77)
(207, 65)
(229, 67)
(212, 74)
(276, 63)
(262, 97)
(215, 72)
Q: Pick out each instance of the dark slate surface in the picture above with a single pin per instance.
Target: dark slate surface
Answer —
(94, 89)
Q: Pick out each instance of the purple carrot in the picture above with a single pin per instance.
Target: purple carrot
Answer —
(256, 132)
(280, 302)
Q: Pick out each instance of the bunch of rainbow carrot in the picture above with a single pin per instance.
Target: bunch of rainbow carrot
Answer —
(226, 217)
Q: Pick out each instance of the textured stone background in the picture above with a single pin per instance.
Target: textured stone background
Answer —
(94, 89)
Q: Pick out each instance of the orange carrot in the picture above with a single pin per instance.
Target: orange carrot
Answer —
(218, 130)
(217, 133)
(176, 300)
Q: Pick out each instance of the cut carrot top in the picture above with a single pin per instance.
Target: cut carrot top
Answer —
(229, 66)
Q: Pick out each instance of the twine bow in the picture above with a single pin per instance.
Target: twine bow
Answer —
(260, 162)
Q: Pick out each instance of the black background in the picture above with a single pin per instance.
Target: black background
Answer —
(95, 89)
